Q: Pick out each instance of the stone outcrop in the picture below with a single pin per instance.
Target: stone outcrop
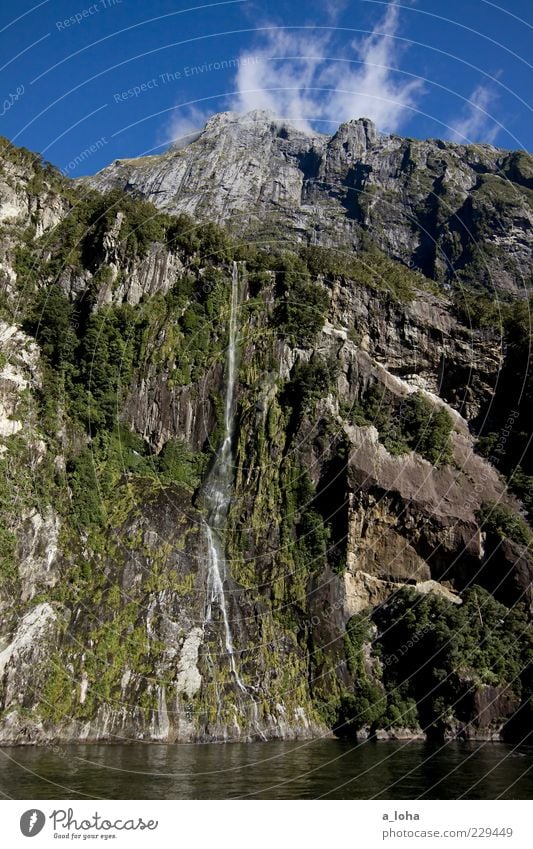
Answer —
(109, 622)
(444, 208)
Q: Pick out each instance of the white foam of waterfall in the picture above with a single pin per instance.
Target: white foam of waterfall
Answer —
(217, 493)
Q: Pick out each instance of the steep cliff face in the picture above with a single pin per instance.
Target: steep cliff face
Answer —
(357, 495)
(444, 208)
(32, 200)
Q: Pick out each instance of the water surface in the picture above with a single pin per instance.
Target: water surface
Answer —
(329, 769)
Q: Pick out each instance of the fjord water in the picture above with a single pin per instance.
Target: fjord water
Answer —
(329, 769)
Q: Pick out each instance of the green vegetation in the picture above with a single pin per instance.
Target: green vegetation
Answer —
(57, 695)
(303, 305)
(522, 486)
(506, 420)
(8, 562)
(358, 632)
(312, 535)
(519, 168)
(303, 534)
(367, 704)
(426, 428)
(310, 382)
(43, 176)
(176, 463)
(78, 242)
(479, 310)
(501, 192)
(505, 522)
(369, 268)
(363, 707)
(414, 424)
(427, 654)
(438, 653)
(91, 358)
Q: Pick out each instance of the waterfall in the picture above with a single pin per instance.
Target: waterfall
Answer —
(217, 493)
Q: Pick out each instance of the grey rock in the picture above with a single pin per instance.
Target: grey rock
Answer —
(441, 207)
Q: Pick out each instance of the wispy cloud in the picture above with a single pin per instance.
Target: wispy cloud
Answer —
(303, 78)
(185, 125)
(476, 122)
(283, 76)
(331, 11)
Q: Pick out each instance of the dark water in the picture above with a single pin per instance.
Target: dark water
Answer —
(304, 770)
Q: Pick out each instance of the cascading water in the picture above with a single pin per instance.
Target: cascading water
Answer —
(217, 493)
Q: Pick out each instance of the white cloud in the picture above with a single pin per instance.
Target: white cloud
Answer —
(283, 76)
(332, 11)
(185, 125)
(476, 122)
(303, 78)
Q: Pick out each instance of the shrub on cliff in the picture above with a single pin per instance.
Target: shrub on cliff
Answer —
(370, 268)
(365, 704)
(505, 522)
(506, 435)
(302, 306)
(50, 320)
(437, 652)
(415, 424)
(178, 464)
(310, 382)
(362, 708)
(304, 312)
(426, 428)
(86, 504)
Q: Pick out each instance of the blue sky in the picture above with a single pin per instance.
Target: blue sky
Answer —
(117, 79)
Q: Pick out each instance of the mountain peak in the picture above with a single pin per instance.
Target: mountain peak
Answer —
(363, 131)
(255, 119)
(258, 173)
(258, 120)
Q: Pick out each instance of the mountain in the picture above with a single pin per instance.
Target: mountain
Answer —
(264, 487)
(458, 213)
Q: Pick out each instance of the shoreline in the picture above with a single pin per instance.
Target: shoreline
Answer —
(376, 739)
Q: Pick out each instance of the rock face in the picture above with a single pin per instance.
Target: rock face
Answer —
(152, 610)
(444, 208)
(111, 415)
(30, 199)
(483, 709)
(30, 531)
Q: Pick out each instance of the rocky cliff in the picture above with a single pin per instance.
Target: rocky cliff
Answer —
(364, 501)
(456, 212)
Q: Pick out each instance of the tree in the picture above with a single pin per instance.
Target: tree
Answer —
(426, 428)
(502, 520)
